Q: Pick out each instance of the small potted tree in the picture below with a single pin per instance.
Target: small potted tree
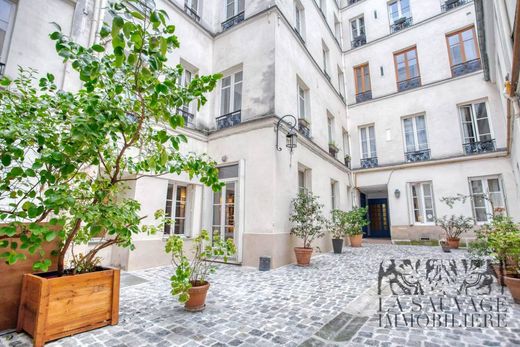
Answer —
(190, 280)
(308, 224)
(354, 221)
(337, 230)
(454, 227)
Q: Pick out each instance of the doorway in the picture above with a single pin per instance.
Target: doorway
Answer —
(379, 226)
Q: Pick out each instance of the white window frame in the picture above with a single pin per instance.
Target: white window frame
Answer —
(333, 195)
(4, 50)
(473, 105)
(337, 28)
(233, 86)
(238, 7)
(186, 78)
(330, 127)
(302, 94)
(346, 143)
(421, 200)
(485, 191)
(369, 142)
(195, 8)
(399, 10)
(299, 18)
(341, 82)
(306, 174)
(357, 32)
(415, 133)
(173, 216)
(326, 57)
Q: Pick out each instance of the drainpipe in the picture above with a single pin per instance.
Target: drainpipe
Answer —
(515, 72)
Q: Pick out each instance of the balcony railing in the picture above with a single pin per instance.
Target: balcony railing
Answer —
(191, 12)
(333, 150)
(233, 21)
(451, 4)
(409, 84)
(229, 120)
(303, 128)
(422, 155)
(188, 117)
(367, 163)
(466, 67)
(364, 96)
(479, 147)
(359, 41)
(401, 24)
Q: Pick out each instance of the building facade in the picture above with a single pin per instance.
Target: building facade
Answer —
(393, 112)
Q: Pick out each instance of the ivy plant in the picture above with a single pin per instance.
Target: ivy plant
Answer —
(66, 157)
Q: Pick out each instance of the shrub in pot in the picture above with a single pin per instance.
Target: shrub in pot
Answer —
(454, 226)
(66, 159)
(354, 221)
(337, 231)
(189, 281)
(308, 224)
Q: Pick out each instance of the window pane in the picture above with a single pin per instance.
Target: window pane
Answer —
(361, 26)
(301, 180)
(484, 130)
(409, 135)
(367, 78)
(476, 187)
(230, 8)
(216, 212)
(467, 124)
(455, 49)
(230, 171)
(179, 226)
(469, 45)
(372, 136)
(237, 96)
(5, 14)
(353, 25)
(240, 6)
(401, 67)
(394, 11)
(359, 80)
(412, 63)
(405, 8)
(364, 143)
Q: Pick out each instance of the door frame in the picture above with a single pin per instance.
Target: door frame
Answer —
(378, 201)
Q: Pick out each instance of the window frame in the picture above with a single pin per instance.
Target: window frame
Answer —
(474, 120)
(422, 205)
(4, 49)
(459, 32)
(415, 133)
(371, 151)
(236, 8)
(341, 81)
(174, 200)
(407, 66)
(232, 91)
(362, 67)
(399, 11)
(358, 30)
(326, 57)
(299, 18)
(301, 87)
(485, 188)
(330, 128)
(333, 195)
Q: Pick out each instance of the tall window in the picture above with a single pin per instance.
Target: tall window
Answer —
(6, 26)
(299, 21)
(362, 76)
(337, 28)
(357, 26)
(398, 9)
(175, 209)
(462, 46)
(346, 145)
(303, 111)
(475, 123)
(191, 7)
(323, 7)
(422, 201)
(406, 65)
(330, 128)
(487, 195)
(231, 93)
(333, 202)
(234, 7)
(325, 53)
(341, 82)
(415, 134)
(186, 78)
(368, 142)
(304, 179)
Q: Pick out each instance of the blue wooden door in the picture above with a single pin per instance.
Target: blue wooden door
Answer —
(378, 217)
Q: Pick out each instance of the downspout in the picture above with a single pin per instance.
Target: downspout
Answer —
(515, 72)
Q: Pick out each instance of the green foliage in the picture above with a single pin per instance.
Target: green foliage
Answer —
(69, 155)
(335, 225)
(454, 226)
(307, 218)
(354, 220)
(192, 270)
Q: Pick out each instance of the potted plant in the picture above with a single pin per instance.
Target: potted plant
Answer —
(308, 223)
(190, 280)
(347, 160)
(66, 159)
(337, 230)
(453, 227)
(333, 149)
(354, 221)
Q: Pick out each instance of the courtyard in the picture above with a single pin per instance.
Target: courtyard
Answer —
(289, 306)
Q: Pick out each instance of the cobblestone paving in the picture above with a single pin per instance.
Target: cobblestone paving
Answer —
(289, 306)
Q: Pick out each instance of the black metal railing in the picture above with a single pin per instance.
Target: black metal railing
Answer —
(2, 69)
(333, 150)
(229, 120)
(364, 96)
(191, 12)
(367, 163)
(188, 117)
(479, 147)
(233, 21)
(466, 67)
(359, 41)
(409, 84)
(401, 24)
(451, 4)
(303, 128)
(422, 155)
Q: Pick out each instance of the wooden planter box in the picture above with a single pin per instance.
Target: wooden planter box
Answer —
(54, 307)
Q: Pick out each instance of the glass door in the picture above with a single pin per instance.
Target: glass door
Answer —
(224, 212)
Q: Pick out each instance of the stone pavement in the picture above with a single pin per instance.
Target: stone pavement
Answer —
(333, 302)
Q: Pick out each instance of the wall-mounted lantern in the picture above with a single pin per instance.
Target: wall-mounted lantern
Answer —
(397, 193)
(291, 136)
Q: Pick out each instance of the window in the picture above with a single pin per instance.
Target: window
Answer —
(415, 134)
(301, 180)
(357, 26)
(422, 202)
(333, 202)
(303, 109)
(6, 27)
(175, 209)
(346, 146)
(225, 214)
(407, 69)
(341, 82)
(191, 7)
(337, 28)
(231, 93)
(304, 179)
(368, 142)
(325, 54)
(398, 9)
(186, 78)
(234, 7)
(323, 7)
(476, 129)
(299, 19)
(463, 51)
(362, 79)
(330, 128)
(487, 196)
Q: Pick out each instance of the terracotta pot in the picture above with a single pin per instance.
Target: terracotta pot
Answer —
(197, 300)
(337, 245)
(453, 242)
(303, 256)
(507, 272)
(513, 284)
(356, 240)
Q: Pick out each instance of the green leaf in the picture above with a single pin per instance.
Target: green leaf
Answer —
(137, 14)
(98, 48)
(6, 159)
(50, 236)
